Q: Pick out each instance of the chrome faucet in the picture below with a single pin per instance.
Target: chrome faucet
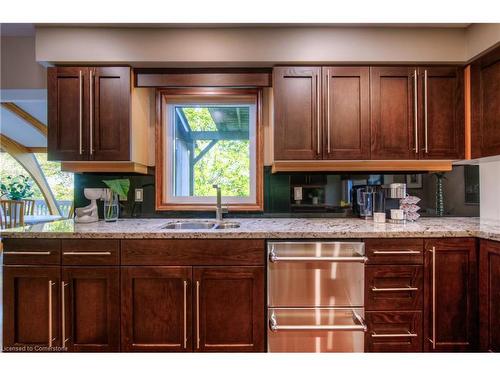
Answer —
(219, 210)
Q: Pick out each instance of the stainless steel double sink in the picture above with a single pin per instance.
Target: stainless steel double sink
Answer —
(193, 225)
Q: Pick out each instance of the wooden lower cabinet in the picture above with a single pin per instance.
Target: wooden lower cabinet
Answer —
(156, 309)
(31, 307)
(393, 331)
(90, 315)
(450, 295)
(229, 303)
(489, 296)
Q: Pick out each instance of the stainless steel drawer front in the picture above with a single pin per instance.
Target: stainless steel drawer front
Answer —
(316, 274)
(316, 330)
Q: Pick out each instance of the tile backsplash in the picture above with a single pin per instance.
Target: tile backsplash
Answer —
(461, 193)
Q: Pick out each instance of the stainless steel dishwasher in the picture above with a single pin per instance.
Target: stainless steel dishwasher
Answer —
(315, 296)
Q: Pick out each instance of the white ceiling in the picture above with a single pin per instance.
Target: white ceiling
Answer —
(21, 131)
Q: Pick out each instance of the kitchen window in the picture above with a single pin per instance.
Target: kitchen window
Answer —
(207, 137)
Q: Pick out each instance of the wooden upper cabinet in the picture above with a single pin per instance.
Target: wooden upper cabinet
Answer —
(110, 125)
(156, 309)
(31, 307)
(89, 113)
(485, 91)
(297, 122)
(393, 113)
(90, 299)
(441, 115)
(489, 296)
(346, 98)
(68, 105)
(229, 315)
(450, 295)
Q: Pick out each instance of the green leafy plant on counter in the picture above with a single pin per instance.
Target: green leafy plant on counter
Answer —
(17, 187)
(119, 187)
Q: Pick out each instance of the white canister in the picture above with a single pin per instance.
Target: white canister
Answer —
(379, 217)
(397, 214)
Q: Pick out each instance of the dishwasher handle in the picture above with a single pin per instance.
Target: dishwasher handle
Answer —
(274, 326)
(273, 258)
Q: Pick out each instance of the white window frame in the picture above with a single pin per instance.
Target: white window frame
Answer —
(169, 138)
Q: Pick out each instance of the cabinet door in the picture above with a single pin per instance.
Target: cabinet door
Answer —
(450, 294)
(110, 114)
(346, 96)
(31, 307)
(68, 105)
(441, 113)
(393, 113)
(230, 313)
(90, 299)
(485, 87)
(156, 309)
(489, 296)
(297, 118)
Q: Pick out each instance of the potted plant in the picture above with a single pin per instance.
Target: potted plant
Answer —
(117, 189)
(17, 188)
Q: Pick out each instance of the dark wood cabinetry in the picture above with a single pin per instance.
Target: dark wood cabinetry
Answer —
(229, 309)
(368, 113)
(485, 106)
(31, 306)
(297, 117)
(394, 295)
(393, 117)
(90, 312)
(393, 331)
(489, 296)
(89, 113)
(450, 294)
(156, 308)
(346, 96)
(441, 113)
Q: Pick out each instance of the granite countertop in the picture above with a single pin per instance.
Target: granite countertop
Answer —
(266, 228)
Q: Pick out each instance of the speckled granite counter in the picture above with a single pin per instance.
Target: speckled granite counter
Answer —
(266, 228)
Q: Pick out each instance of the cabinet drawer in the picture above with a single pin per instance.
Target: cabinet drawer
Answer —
(90, 252)
(394, 251)
(32, 251)
(393, 287)
(393, 331)
(192, 252)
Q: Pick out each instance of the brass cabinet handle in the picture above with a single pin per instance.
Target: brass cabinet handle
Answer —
(425, 113)
(396, 252)
(91, 111)
(328, 110)
(415, 115)
(318, 149)
(80, 83)
(433, 251)
(51, 284)
(63, 314)
(87, 253)
(185, 314)
(404, 289)
(27, 252)
(197, 315)
(407, 334)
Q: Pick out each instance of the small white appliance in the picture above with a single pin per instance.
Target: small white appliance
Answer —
(88, 214)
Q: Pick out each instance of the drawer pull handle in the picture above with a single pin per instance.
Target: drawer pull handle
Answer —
(396, 252)
(274, 326)
(27, 252)
(404, 289)
(408, 334)
(87, 253)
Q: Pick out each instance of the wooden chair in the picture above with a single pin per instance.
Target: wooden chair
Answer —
(29, 206)
(12, 214)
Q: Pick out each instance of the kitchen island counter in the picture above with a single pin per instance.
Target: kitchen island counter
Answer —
(265, 228)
